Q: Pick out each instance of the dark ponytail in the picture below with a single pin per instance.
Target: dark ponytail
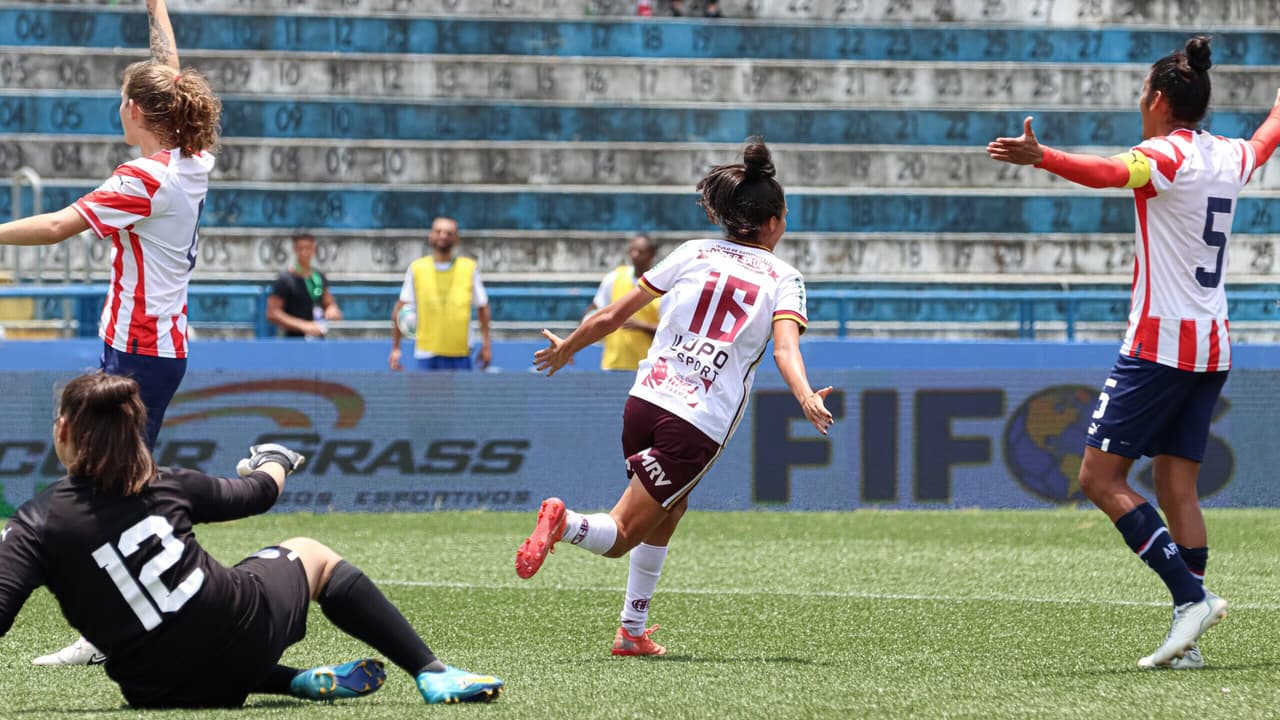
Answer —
(105, 421)
(741, 198)
(1183, 78)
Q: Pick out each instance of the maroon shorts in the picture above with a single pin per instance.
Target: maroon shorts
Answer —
(666, 452)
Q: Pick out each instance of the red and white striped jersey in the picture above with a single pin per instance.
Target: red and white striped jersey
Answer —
(150, 210)
(1178, 315)
(719, 303)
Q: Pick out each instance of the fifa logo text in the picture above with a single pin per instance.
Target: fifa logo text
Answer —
(582, 533)
(640, 605)
(656, 473)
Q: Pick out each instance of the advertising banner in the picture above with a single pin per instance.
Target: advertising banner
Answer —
(378, 441)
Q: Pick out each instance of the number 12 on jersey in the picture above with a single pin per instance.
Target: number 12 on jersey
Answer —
(131, 589)
(722, 290)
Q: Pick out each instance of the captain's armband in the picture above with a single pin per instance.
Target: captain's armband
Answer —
(1139, 168)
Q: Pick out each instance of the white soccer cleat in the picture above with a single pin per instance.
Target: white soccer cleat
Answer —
(1193, 660)
(80, 652)
(1190, 621)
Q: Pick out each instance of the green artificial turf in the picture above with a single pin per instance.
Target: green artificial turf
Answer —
(765, 615)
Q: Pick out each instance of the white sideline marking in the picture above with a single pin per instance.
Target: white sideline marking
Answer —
(851, 594)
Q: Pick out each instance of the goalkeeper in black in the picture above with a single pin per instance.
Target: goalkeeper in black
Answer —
(113, 542)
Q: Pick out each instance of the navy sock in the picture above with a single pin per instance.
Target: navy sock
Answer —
(352, 602)
(1196, 560)
(1144, 531)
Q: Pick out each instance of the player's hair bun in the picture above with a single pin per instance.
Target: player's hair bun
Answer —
(1198, 54)
(112, 392)
(757, 162)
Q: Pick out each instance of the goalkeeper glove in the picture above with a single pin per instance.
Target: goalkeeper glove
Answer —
(270, 452)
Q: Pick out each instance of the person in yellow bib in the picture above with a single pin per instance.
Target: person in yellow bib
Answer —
(440, 289)
(625, 348)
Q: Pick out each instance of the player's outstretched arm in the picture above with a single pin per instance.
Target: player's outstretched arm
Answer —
(592, 330)
(1267, 136)
(275, 460)
(1126, 170)
(786, 354)
(164, 48)
(45, 229)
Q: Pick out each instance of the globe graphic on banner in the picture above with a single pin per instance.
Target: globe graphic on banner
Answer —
(1044, 441)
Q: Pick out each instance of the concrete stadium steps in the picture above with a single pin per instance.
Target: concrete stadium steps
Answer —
(1036, 13)
(541, 164)
(97, 113)
(256, 254)
(632, 80)
(662, 209)
(110, 27)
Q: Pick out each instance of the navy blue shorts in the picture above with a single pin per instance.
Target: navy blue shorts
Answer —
(439, 362)
(1150, 409)
(158, 380)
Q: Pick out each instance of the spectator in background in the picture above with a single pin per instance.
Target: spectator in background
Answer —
(626, 347)
(300, 303)
(440, 290)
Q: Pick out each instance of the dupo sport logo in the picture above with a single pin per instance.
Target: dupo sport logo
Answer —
(1044, 442)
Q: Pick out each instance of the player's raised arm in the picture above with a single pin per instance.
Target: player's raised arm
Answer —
(1127, 170)
(164, 48)
(1267, 136)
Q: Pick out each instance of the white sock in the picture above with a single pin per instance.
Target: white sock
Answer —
(595, 533)
(642, 580)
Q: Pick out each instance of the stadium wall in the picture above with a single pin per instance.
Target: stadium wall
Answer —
(920, 425)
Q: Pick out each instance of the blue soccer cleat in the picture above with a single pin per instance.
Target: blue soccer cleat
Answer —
(455, 685)
(332, 682)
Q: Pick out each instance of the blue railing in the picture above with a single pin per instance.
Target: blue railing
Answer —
(244, 305)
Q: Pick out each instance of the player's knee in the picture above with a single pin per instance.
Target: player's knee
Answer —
(311, 549)
(1094, 483)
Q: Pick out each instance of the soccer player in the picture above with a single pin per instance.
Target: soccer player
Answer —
(113, 541)
(723, 300)
(1159, 398)
(150, 211)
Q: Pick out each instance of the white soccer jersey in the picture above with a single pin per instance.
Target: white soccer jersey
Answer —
(1178, 315)
(719, 303)
(150, 209)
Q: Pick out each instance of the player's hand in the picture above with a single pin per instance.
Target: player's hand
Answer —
(553, 357)
(313, 329)
(815, 409)
(394, 360)
(485, 356)
(1022, 150)
(270, 452)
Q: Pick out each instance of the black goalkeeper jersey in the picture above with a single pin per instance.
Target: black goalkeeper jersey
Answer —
(128, 572)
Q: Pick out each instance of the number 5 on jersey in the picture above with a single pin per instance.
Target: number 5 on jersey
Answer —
(162, 598)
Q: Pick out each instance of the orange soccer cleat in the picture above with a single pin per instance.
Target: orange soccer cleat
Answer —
(624, 643)
(534, 550)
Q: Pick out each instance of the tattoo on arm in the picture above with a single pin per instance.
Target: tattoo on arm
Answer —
(160, 49)
(164, 48)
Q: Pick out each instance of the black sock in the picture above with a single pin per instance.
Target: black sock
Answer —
(352, 602)
(277, 683)
(1196, 559)
(1145, 533)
